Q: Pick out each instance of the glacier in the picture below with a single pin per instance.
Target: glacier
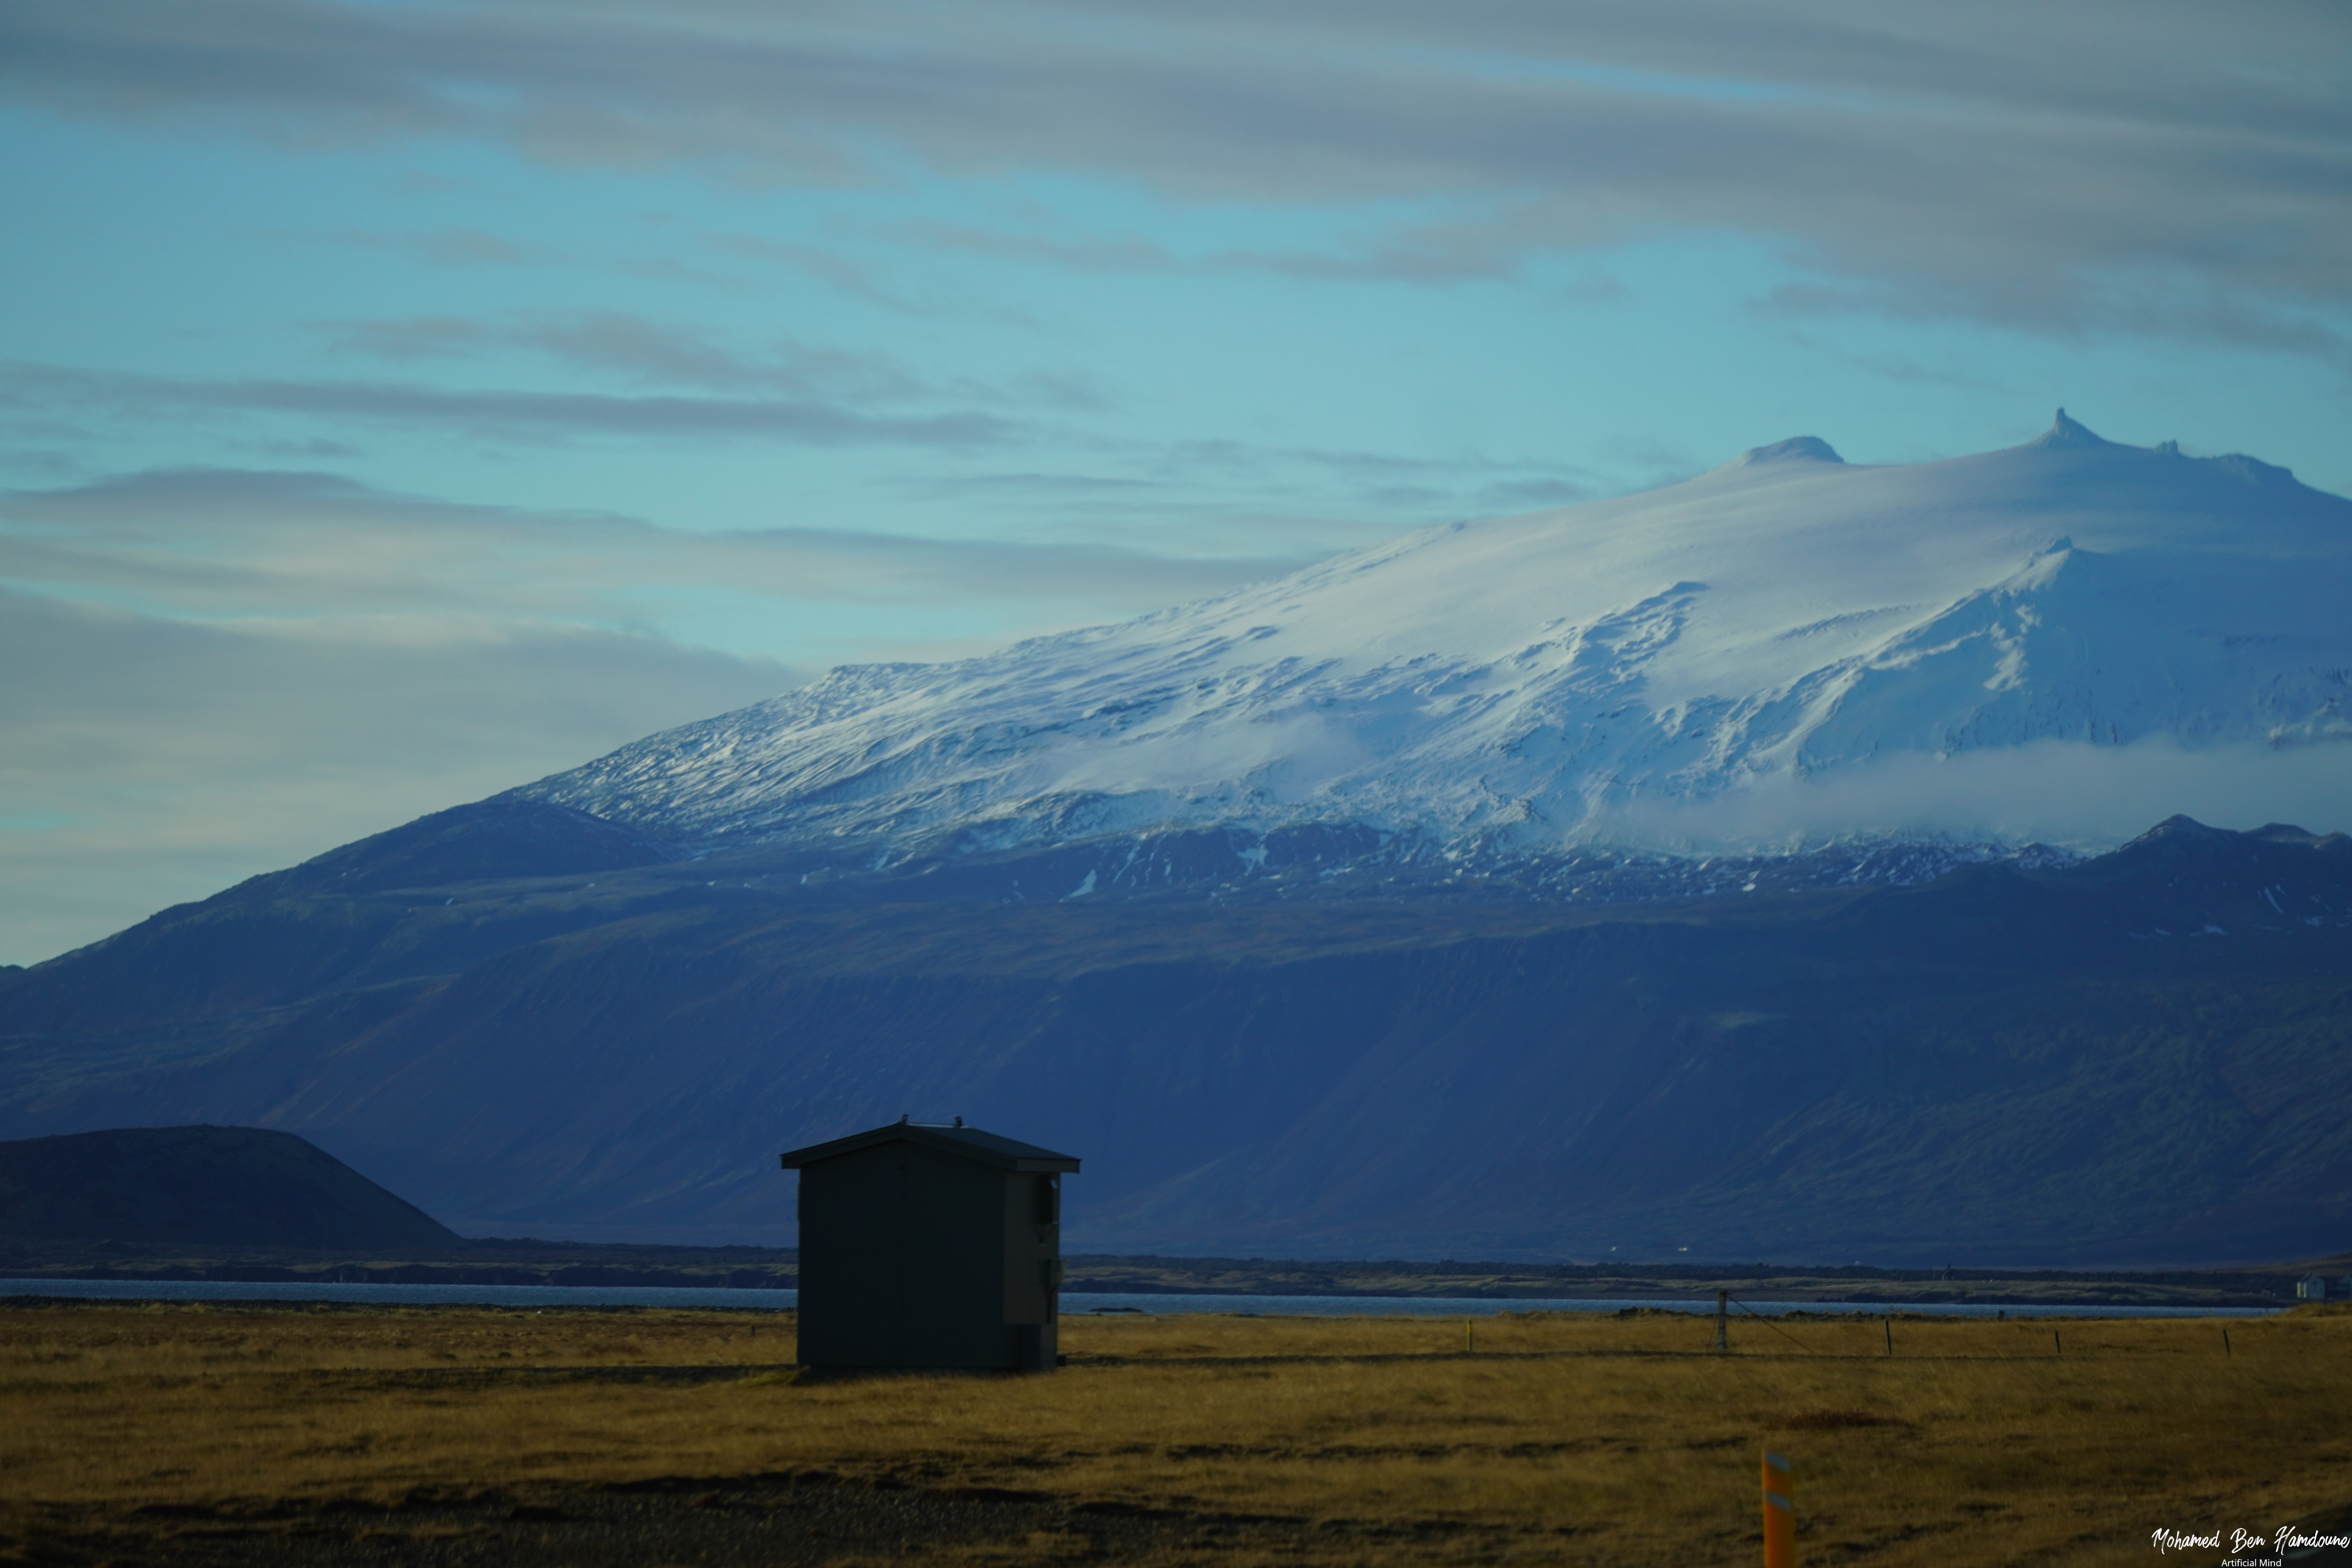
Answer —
(1785, 652)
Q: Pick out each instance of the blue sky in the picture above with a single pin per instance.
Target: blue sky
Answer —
(400, 401)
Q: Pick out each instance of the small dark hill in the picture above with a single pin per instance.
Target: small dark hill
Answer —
(224, 1186)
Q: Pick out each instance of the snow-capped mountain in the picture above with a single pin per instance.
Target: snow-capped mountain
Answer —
(1784, 651)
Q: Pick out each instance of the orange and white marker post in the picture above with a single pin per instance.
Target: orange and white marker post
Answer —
(1780, 1514)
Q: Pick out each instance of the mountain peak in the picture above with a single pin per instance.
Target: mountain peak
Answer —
(2066, 432)
(2182, 827)
(1811, 447)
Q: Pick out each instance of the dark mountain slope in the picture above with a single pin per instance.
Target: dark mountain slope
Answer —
(348, 918)
(488, 841)
(2002, 1065)
(200, 1186)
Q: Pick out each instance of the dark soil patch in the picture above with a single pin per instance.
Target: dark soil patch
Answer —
(1832, 1420)
(810, 1518)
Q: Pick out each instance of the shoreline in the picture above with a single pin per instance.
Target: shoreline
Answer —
(603, 1265)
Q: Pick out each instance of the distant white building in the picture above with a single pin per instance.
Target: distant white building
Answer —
(2311, 1288)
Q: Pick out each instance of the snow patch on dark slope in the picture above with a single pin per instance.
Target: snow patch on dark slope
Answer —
(1789, 655)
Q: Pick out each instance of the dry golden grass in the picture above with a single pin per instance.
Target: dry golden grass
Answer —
(1569, 1438)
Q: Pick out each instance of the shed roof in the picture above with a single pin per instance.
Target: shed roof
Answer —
(970, 1142)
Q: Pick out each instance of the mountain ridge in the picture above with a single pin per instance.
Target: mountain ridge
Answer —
(2140, 1058)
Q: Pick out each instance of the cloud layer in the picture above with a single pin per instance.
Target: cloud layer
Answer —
(235, 543)
(2053, 791)
(2166, 164)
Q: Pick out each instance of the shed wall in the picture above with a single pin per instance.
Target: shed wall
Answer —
(903, 1261)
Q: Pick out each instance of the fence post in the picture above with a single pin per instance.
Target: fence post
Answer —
(1723, 1323)
(1780, 1514)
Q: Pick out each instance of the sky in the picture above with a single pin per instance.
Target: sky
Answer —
(401, 401)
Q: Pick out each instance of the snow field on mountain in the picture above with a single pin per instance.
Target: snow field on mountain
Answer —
(2063, 640)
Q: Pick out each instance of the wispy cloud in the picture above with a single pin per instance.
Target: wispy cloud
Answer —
(238, 543)
(2012, 161)
(1305, 501)
(854, 275)
(1902, 369)
(446, 246)
(508, 415)
(637, 349)
(1422, 253)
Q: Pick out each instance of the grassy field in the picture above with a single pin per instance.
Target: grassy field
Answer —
(458, 1434)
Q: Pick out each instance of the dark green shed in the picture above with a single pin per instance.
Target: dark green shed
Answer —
(924, 1246)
